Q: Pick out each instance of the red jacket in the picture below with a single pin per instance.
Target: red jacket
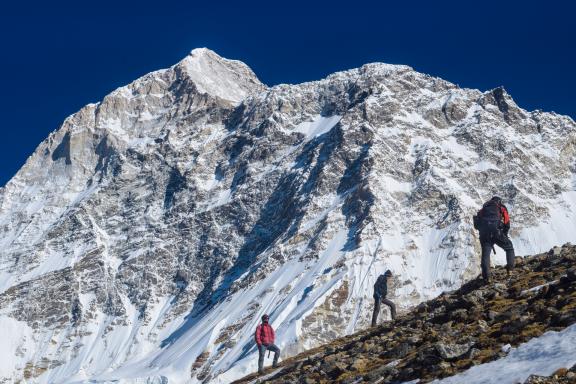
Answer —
(505, 215)
(264, 334)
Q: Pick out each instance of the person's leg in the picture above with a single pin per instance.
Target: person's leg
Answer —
(261, 353)
(485, 259)
(392, 307)
(274, 348)
(505, 243)
(376, 311)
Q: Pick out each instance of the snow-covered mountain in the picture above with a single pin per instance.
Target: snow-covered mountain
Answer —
(143, 239)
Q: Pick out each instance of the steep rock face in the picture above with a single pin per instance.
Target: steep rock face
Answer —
(146, 236)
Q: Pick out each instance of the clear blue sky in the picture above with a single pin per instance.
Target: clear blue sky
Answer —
(59, 56)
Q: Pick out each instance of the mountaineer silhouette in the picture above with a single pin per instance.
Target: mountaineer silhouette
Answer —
(380, 292)
(493, 223)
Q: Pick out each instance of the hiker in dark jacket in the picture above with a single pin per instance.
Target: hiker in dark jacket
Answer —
(264, 336)
(493, 222)
(380, 292)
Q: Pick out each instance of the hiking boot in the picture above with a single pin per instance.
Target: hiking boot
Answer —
(274, 365)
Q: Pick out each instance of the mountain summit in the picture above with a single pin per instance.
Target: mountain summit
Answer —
(229, 80)
(143, 239)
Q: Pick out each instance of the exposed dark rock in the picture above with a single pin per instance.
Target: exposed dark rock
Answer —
(452, 351)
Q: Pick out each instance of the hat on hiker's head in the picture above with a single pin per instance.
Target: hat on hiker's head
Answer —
(388, 273)
(497, 199)
(265, 317)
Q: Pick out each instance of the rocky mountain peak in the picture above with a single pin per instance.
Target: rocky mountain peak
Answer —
(230, 80)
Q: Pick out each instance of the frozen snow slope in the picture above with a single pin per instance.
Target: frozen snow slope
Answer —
(145, 237)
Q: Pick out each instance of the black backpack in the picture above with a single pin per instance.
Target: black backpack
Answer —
(490, 216)
(381, 286)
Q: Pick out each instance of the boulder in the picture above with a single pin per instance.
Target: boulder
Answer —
(555, 252)
(571, 274)
(449, 351)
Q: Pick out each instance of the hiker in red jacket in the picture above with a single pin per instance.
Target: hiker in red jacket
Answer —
(493, 222)
(264, 336)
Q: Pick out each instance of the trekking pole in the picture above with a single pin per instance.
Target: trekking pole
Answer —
(268, 353)
(493, 249)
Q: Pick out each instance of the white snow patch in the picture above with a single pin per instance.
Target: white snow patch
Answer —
(392, 185)
(215, 75)
(539, 287)
(415, 119)
(318, 126)
(540, 356)
(557, 229)
(17, 347)
(483, 166)
(223, 198)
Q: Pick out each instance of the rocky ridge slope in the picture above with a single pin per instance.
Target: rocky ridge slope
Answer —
(146, 236)
(473, 325)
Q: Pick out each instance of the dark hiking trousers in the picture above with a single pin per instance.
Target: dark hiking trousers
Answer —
(377, 301)
(262, 351)
(487, 241)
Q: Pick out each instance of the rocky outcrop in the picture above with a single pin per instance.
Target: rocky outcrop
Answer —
(561, 376)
